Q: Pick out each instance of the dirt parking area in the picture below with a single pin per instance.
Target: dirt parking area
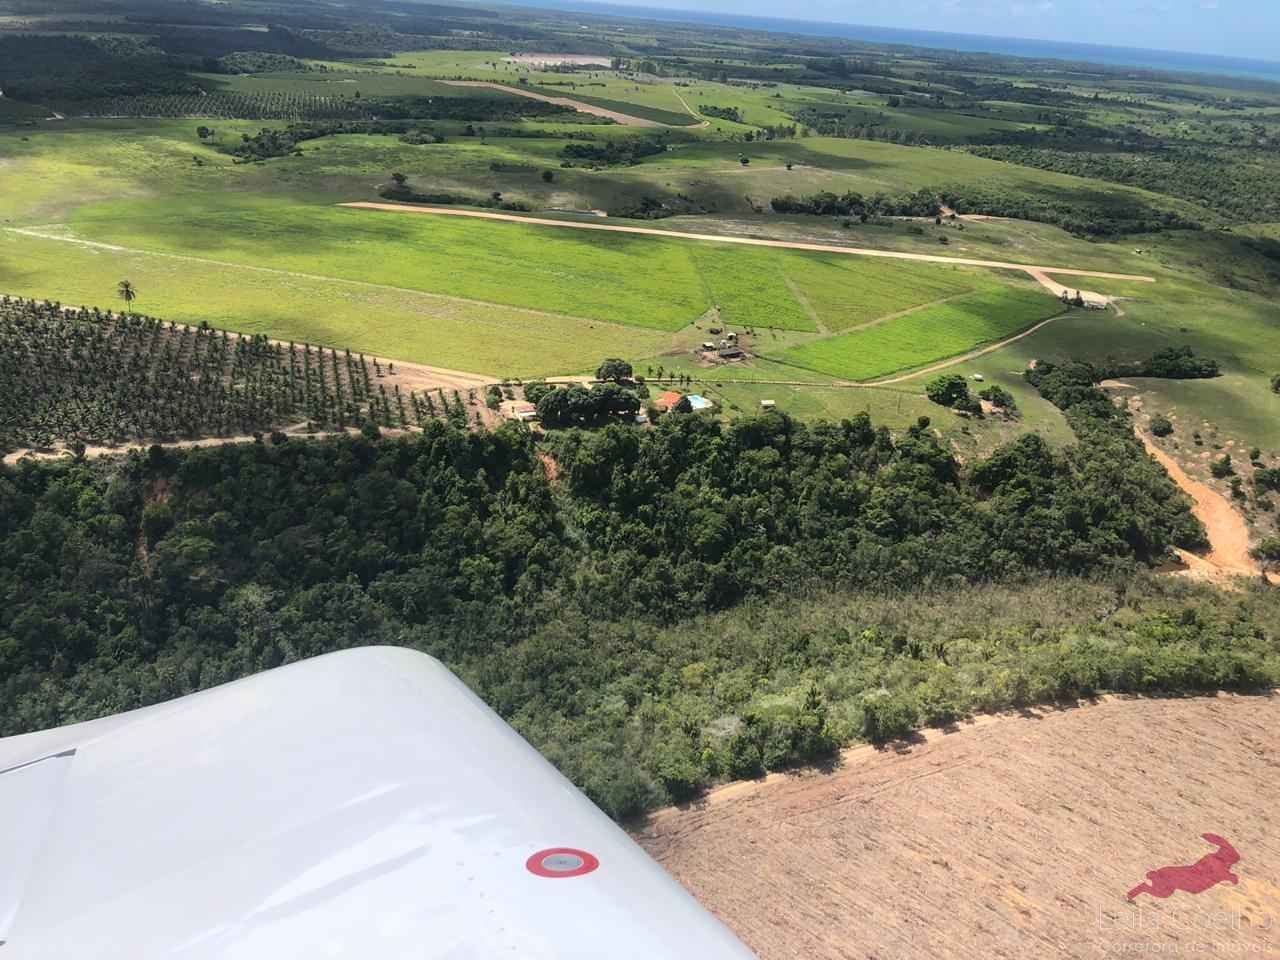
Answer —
(1017, 836)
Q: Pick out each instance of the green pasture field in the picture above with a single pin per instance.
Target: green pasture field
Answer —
(379, 321)
(934, 333)
(614, 278)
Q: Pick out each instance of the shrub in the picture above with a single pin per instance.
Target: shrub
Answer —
(1161, 425)
(886, 715)
(1221, 467)
(999, 397)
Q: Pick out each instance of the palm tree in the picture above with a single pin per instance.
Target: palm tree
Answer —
(127, 292)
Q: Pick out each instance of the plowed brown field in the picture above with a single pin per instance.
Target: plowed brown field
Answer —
(1017, 836)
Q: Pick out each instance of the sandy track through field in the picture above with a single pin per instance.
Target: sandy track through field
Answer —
(1228, 533)
(625, 119)
(1008, 837)
(1036, 272)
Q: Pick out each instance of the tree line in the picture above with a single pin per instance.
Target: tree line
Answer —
(922, 203)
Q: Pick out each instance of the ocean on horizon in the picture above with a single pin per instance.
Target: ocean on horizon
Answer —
(1168, 60)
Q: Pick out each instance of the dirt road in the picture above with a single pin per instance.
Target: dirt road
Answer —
(1009, 837)
(964, 357)
(1228, 533)
(1033, 270)
(622, 118)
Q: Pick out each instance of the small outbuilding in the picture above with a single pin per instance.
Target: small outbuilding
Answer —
(768, 404)
(521, 410)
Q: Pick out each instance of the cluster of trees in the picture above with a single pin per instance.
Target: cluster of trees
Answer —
(576, 405)
(401, 193)
(1232, 182)
(583, 608)
(653, 208)
(611, 153)
(828, 124)
(1117, 459)
(720, 113)
(952, 390)
(922, 203)
(248, 61)
(1171, 363)
(1081, 211)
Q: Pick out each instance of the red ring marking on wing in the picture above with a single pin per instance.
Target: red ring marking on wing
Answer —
(535, 863)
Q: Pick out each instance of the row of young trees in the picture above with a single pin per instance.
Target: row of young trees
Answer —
(88, 376)
(258, 105)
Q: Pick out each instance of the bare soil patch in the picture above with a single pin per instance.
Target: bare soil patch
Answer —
(1016, 836)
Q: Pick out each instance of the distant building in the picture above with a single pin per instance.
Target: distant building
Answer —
(668, 400)
(767, 404)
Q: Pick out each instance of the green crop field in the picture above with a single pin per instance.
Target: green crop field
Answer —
(749, 287)
(848, 293)
(933, 333)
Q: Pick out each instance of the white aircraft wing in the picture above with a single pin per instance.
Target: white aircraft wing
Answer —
(360, 805)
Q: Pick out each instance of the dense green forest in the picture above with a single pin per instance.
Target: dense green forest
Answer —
(585, 610)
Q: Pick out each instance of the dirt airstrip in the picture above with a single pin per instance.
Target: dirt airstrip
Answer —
(1015, 836)
(624, 119)
(1036, 272)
